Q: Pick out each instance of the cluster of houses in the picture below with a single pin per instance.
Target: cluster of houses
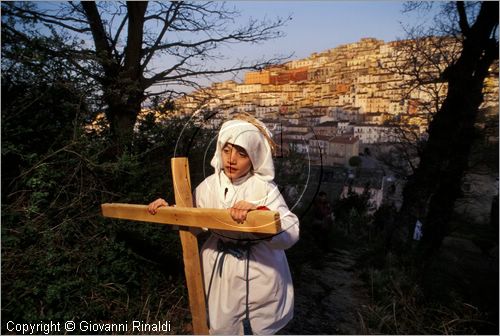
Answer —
(323, 138)
(328, 107)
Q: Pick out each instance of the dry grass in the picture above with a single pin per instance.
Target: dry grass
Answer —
(400, 306)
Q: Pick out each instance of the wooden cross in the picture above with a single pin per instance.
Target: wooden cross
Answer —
(187, 217)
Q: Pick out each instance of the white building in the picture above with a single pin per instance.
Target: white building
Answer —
(369, 134)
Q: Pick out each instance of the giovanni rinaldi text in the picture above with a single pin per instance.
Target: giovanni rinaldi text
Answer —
(47, 328)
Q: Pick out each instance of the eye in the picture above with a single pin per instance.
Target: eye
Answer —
(243, 154)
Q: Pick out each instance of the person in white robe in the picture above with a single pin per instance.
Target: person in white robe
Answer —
(247, 280)
(270, 290)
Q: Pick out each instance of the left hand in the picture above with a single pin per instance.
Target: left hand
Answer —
(240, 210)
(153, 206)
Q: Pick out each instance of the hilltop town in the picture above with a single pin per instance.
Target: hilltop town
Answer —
(353, 101)
(338, 104)
(332, 102)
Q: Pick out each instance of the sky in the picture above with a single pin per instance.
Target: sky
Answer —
(320, 25)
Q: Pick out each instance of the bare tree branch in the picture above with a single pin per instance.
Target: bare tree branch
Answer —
(170, 16)
(462, 18)
(101, 40)
(65, 22)
(133, 51)
(131, 39)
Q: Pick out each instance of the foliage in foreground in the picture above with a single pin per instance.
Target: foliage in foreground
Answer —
(456, 293)
(60, 259)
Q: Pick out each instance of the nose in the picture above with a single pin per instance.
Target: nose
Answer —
(231, 158)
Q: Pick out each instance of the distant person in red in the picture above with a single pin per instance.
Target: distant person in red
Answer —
(323, 220)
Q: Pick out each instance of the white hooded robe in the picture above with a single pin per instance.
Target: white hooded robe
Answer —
(270, 296)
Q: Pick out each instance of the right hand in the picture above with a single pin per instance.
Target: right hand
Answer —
(240, 210)
(160, 202)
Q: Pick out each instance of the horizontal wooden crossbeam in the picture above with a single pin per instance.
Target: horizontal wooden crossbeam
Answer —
(258, 221)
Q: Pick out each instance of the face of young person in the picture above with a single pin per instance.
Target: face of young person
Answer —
(236, 161)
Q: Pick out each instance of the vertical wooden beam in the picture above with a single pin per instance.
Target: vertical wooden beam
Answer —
(191, 255)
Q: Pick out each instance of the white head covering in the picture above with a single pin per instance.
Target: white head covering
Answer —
(246, 135)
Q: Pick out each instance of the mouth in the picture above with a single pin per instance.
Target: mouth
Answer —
(231, 169)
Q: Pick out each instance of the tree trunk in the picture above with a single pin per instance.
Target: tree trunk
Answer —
(431, 192)
(123, 85)
(122, 119)
(125, 93)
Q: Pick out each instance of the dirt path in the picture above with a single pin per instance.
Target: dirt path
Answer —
(328, 298)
